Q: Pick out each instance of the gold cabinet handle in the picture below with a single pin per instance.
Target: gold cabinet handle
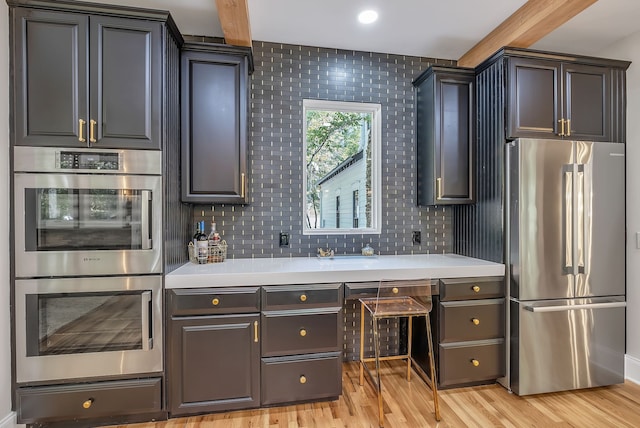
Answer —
(395, 290)
(568, 127)
(303, 332)
(88, 403)
(303, 379)
(476, 288)
(215, 302)
(475, 321)
(475, 362)
(242, 185)
(303, 298)
(255, 331)
(81, 137)
(92, 131)
(439, 188)
(561, 127)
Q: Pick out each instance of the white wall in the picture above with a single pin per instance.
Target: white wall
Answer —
(629, 49)
(6, 417)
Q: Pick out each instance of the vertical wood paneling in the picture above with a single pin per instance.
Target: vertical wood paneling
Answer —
(478, 228)
(177, 216)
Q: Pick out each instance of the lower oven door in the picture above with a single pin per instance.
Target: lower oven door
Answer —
(87, 224)
(73, 328)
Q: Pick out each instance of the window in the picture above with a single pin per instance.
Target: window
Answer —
(342, 154)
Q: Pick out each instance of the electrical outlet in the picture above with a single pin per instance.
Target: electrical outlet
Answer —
(284, 239)
(416, 237)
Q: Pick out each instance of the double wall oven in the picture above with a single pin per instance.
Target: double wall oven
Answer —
(88, 263)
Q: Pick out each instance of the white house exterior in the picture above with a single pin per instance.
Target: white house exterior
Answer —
(343, 195)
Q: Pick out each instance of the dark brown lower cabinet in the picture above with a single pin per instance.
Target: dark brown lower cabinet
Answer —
(301, 378)
(466, 363)
(89, 401)
(214, 363)
(467, 322)
(302, 344)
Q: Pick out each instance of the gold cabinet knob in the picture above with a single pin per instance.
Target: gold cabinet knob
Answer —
(475, 321)
(303, 332)
(476, 288)
(475, 362)
(215, 302)
(303, 379)
(87, 403)
(395, 290)
(303, 298)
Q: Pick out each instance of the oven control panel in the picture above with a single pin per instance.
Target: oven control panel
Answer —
(76, 160)
(91, 161)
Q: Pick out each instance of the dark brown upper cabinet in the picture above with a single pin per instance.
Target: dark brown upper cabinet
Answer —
(552, 98)
(84, 80)
(214, 123)
(444, 135)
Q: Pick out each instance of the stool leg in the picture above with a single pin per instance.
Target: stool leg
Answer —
(361, 344)
(432, 364)
(376, 340)
(409, 333)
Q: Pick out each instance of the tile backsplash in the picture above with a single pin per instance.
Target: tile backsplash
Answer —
(285, 75)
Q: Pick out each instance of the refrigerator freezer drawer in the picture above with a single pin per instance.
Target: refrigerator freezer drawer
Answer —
(558, 347)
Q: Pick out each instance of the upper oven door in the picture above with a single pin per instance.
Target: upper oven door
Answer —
(87, 224)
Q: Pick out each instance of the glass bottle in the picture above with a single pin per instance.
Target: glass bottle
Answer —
(202, 245)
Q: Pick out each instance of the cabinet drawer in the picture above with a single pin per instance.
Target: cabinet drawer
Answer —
(211, 301)
(299, 332)
(301, 378)
(471, 320)
(301, 296)
(358, 290)
(471, 288)
(67, 402)
(456, 362)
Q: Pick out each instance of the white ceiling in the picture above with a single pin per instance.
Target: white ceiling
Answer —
(430, 28)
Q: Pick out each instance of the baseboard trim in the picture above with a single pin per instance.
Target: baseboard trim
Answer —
(632, 369)
(9, 421)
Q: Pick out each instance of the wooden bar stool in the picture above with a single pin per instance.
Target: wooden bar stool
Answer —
(397, 299)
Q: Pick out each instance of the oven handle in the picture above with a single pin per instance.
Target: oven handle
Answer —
(147, 242)
(147, 339)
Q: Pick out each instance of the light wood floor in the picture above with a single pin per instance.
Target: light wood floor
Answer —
(409, 405)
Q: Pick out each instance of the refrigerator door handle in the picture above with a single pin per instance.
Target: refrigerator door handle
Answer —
(580, 239)
(567, 218)
(564, 308)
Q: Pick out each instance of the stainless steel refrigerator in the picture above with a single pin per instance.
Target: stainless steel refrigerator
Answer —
(565, 242)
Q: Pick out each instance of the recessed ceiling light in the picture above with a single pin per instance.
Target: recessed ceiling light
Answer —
(368, 16)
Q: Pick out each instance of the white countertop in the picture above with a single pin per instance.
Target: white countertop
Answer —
(302, 270)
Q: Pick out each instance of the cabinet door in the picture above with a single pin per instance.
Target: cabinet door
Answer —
(454, 139)
(214, 127)
(50, 72)
(126, 79)
(534, 102)
(444, 135)
(587, 102)
(214, 364)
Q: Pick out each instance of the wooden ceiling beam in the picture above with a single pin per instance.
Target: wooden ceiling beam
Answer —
(234, 19)
(534, 20)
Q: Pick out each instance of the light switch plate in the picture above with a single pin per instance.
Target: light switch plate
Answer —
(638, 240)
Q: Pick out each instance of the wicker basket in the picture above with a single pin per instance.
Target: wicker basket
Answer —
(215, 253)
